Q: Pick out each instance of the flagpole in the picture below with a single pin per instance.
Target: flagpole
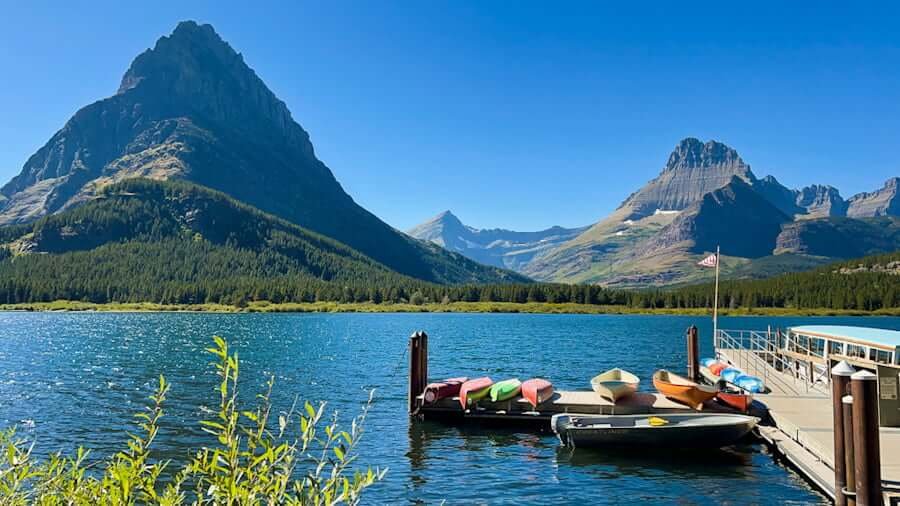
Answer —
(716, 301)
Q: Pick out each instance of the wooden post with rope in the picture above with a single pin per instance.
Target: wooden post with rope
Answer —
(418, 368)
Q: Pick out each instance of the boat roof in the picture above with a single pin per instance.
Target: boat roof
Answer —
(865, 335)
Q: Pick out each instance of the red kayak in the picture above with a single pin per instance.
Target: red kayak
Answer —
(473, 390)
(443, 389)
(537, 391)
(735, 398)
(717, 368)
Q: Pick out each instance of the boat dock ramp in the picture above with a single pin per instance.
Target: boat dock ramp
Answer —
(797, 410)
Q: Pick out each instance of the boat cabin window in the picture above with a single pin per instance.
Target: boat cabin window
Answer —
(857, 351)
(817, 347)
(880, 356)
(835, 348)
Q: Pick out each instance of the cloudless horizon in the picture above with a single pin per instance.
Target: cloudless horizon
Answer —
(518, 117)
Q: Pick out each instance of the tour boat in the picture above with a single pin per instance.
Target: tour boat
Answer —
(537, 391)
(686, 431)
(473, 390)
(506, 389)
(615, 383)
(443, 389)
(682, 389)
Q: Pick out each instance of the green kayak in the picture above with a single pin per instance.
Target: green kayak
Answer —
(506, 389)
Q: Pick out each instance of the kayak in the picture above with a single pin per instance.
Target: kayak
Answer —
(687, 431)
(537, 391)
(506, 389)
(615, 383)
(474, 390)
(682, 389)
(706, 362)
(749, 383)
(729, 374)
(443, 389)
(717, 368)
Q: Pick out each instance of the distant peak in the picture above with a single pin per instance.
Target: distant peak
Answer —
(692, 153)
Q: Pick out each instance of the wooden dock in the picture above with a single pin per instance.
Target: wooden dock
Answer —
(803, 430)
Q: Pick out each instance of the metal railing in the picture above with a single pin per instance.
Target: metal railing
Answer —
(759, 354)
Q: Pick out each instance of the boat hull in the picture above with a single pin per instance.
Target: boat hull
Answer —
(705, 431)
(682, 390)
(615, 384)
(474, 390)
(504, 390)
(736, 400)
(537, 391)
(443, 389)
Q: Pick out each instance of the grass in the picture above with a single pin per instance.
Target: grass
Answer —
(452, 307)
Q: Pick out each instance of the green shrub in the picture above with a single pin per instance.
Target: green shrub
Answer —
(297, 459)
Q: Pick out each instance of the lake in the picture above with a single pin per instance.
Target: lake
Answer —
(77, 378)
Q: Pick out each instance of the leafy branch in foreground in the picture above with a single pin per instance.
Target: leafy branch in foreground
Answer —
(297, 462)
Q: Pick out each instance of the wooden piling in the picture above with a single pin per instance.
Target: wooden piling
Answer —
(840, 380)
(418, 368)
(866, 444)
(693, 352)
(848, 492)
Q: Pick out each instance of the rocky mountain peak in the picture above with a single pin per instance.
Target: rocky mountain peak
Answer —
(692, 153)
(882, 202)
(693, 169)
(821, 200)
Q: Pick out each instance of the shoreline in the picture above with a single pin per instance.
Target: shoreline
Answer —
(453, 307)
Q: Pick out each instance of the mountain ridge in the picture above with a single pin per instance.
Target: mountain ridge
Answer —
(190, 108)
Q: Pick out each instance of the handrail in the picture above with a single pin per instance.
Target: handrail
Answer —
(758, 352)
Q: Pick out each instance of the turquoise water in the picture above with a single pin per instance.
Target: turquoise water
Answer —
(77, 378)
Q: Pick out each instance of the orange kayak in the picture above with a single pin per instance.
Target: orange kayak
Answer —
(473, 390)
(682, 389)
(537, 390)
(442, 389)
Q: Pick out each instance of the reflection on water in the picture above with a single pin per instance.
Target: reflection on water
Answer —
(78, 378)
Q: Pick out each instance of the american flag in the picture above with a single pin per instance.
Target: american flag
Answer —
(709, 261)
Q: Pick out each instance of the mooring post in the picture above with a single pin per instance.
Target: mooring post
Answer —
(840, 380)
(866, 446)
(416, 343)
(849, 490)
(693, 352)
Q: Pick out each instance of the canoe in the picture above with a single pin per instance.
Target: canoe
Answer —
(537, 391)
(729, 374)
(717, 367)
(615, 383)
(750, 383)
(473, 390)
(682, 389)
(734, 397)
(506, 389)
(685, 431)
(443, 389)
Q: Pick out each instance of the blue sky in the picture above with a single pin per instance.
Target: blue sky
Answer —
(519, 115)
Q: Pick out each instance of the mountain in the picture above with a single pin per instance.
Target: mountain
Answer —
(707, 196)
(173, 241)
(883, 202)
(498, 247)
(190, 108)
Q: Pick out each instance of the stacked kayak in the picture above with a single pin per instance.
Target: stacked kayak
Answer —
(505, 390)
(443, 389)
(735, 376)
(474, 390)
(615, 384)
(537, 391)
